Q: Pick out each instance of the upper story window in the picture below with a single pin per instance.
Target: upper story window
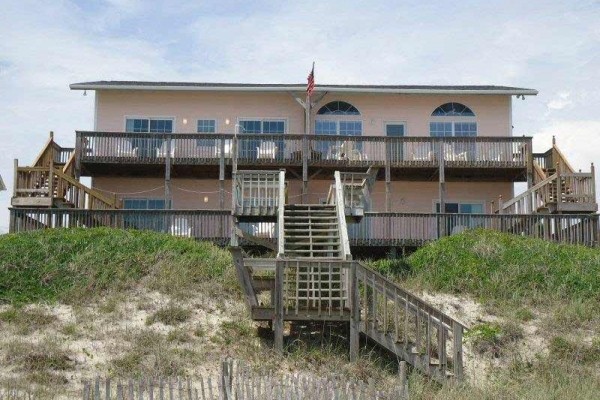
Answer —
(453, 110)
(207, 126)
(264, 126)
(338, 108)
(453, 119)
(151, 125)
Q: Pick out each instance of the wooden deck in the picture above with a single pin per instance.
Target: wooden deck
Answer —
(406, 157)
(376, 229)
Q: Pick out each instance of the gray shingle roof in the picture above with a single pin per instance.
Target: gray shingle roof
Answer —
(146, 85)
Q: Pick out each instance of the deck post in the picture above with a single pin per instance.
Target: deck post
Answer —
(457, 362)
(354, 313)
(529, 160)
(222, 175)
(442, 189)
(278, 314)
(168, 199)
(78, 153)
(305, 155)
(388, 175)
(15, 176)
(593, 182)
(558, 188)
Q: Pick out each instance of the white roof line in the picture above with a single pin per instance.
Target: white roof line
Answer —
(525, 92)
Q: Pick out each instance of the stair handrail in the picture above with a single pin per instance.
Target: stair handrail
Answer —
(404, 300)
(531, 191)
(561, 160)
(340, 205)
(281, 215)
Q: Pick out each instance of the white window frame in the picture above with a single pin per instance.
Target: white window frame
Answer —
(208, 119)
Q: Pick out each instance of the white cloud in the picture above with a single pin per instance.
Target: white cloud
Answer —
(560, 102)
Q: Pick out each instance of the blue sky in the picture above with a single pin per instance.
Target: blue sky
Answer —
(552, 46)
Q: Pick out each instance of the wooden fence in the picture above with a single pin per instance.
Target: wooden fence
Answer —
(237, 381)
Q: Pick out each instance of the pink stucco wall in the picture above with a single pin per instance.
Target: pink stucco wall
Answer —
(493, 117)
(492, 111)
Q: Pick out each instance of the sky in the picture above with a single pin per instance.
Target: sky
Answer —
(551, 46)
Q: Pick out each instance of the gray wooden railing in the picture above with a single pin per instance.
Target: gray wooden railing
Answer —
(292, 149)
(374, 229)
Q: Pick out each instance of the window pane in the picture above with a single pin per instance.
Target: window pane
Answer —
(440, 129)
(250, 126)
(161, 125)
(325, 127)
(451, 208)
(394, 130)
(465, 129)
(273, 127)
(207, 126)
(351, 128)
(136, 125)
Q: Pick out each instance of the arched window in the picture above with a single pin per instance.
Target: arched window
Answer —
(338, 108)
(453, 110)
(338, 118)
(453, 119)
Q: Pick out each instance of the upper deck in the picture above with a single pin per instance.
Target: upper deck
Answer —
(406, 158)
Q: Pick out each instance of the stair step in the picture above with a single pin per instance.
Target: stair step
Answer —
(292, 230)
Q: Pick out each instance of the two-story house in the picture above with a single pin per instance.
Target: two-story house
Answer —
(431, 150)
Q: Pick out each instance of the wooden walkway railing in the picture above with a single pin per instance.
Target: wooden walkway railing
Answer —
(338, 290)
(294, 150)
(374, 229)
(406, 325)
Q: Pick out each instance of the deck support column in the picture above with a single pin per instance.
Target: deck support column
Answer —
(305, 167)
(529, 161)
(388, 176)
(354, 314)
(442, 188)
(168, 195)
(78, 152)
(278, 306)
(222, 175)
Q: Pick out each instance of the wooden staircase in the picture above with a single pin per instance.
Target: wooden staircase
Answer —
(51, 183)
(314, 278)
(312, 231)
(557, 188)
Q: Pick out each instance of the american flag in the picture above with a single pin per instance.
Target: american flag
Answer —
(311, 81)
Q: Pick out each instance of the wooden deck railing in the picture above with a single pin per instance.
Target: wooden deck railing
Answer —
(292, 149)
(375, 228)
(257, 192)
(211, 225)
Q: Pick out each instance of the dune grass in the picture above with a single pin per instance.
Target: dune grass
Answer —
(493, 266)
(72, 265)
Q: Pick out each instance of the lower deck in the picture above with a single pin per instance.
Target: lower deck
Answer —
(374, 230)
